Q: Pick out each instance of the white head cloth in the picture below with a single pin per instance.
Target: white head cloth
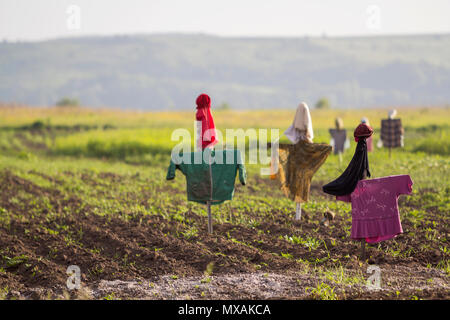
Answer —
(392, 113)
(301, 128)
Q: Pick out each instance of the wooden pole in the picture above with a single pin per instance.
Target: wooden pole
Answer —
(298, 211)
(363, 249)
(199, 149)
(210, 226)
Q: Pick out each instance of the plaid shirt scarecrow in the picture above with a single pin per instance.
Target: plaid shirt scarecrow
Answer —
(391, 133)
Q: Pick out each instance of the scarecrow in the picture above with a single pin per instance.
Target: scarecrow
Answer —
(339, 140)
(375, 213)
(299, 161)
(210, 173)
(391, 132)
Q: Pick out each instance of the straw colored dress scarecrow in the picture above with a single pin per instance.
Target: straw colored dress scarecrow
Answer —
(298, 162)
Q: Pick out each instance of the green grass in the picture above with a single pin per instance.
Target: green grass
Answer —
(120, 172)
(323, 291)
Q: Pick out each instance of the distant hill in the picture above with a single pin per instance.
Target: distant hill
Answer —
(168, 71)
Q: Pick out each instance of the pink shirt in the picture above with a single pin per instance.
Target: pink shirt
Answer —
(375, 215)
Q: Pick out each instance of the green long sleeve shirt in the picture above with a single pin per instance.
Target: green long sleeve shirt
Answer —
(210, 182)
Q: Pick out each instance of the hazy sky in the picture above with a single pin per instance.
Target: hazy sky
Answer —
(44, 19)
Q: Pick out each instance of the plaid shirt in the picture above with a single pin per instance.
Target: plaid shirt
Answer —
(391, 133)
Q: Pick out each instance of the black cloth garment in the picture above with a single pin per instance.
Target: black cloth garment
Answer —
(357, 169)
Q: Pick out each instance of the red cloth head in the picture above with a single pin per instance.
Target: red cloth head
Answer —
(363, 131)
(203, 101)
(204, 115)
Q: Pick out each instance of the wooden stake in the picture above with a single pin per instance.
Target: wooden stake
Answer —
(210, 226)
(363, 249)
(298, 211)
(199, 149)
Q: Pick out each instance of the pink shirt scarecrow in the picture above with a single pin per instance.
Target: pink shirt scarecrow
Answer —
(375, 214)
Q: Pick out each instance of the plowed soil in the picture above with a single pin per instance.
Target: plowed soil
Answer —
(143, 256)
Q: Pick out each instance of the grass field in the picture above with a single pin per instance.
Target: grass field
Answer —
(87, 187)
